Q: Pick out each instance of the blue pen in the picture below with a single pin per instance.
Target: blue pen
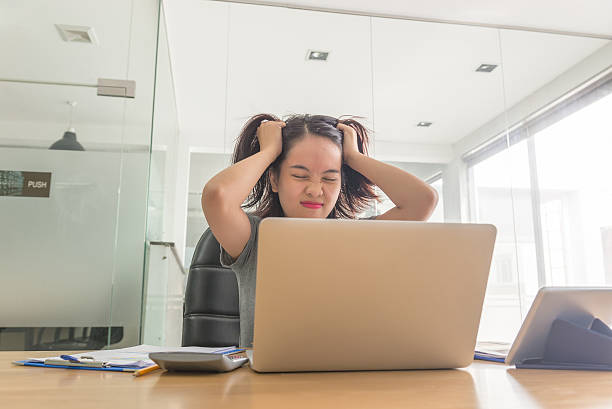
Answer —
(69, 358)
(489, 358)
(232, 351)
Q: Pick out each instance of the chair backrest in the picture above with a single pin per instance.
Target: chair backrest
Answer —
(211, 314)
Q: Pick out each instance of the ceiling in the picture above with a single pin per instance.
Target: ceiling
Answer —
(231, 61)
(587, 16)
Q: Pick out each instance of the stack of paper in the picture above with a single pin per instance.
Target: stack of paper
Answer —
(492, 351)
(128, 359)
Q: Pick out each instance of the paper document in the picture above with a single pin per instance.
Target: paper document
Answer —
(131, 357)
(493, 349)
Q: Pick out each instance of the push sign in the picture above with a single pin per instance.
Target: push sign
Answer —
(28, 184)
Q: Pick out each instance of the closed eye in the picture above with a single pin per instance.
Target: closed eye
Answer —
(306, 177)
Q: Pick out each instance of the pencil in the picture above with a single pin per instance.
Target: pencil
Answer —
(146, 370)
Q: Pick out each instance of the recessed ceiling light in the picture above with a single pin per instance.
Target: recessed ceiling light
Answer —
(424, 124)
(317, 55)
(486, 68)
(77, 34)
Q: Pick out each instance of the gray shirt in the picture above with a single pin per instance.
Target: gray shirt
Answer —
(245, 267)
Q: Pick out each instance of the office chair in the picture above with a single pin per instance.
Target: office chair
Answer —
(211, 315)
(91, 338)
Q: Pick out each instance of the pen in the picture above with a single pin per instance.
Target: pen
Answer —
(69, 358)
(146, 370)
(223, 350)
(233, 351)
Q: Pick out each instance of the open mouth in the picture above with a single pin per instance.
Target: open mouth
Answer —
(312, 205)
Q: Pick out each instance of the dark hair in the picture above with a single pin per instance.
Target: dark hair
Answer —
(356, 190)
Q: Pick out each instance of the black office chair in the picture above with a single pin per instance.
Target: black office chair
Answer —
(211, 314)
(91, 338)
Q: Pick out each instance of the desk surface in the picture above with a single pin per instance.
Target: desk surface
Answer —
(481, 385)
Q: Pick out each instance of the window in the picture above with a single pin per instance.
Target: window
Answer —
(500, 195)
(546, 187)
(574, 165)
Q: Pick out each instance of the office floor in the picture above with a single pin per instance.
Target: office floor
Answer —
(481, 385)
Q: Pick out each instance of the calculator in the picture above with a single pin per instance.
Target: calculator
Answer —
(198, 361)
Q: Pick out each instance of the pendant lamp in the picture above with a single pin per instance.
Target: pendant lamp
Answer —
(68, 142)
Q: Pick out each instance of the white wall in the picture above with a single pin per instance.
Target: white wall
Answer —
(203, 166)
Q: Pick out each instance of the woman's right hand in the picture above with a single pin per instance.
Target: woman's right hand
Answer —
(270, 136)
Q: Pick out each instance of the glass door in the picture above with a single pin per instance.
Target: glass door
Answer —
(58, 239)
(74, 168)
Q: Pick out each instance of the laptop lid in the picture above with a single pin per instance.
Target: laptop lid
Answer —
(368, 295)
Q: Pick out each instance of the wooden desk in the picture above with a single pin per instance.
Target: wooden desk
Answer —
(482, 385)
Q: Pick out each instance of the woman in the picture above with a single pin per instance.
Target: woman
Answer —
(307, 166)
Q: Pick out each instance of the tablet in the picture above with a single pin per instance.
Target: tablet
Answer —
(579, 305)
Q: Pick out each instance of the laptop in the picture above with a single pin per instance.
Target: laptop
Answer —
(346, 295)
(578, 305)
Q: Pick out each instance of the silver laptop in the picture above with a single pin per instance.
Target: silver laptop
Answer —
(335, 295)
(578, 305)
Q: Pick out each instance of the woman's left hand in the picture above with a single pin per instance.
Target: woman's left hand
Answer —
(349, 145)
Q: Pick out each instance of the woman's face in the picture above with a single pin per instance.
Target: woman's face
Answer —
(309, 182)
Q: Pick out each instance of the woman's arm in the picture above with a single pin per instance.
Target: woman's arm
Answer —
(225, 193)
(413, 198)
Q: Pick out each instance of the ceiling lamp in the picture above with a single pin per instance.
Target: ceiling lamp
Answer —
(77, 34)
(317, 55)
(486, 68)
(68, 142)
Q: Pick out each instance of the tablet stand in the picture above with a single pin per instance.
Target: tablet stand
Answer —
(569, 346)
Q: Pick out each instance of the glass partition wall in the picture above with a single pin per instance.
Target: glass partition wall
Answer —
(165, 275)
(478, 112)
(74, 166)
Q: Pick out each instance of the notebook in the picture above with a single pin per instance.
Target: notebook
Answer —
(368, 295)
